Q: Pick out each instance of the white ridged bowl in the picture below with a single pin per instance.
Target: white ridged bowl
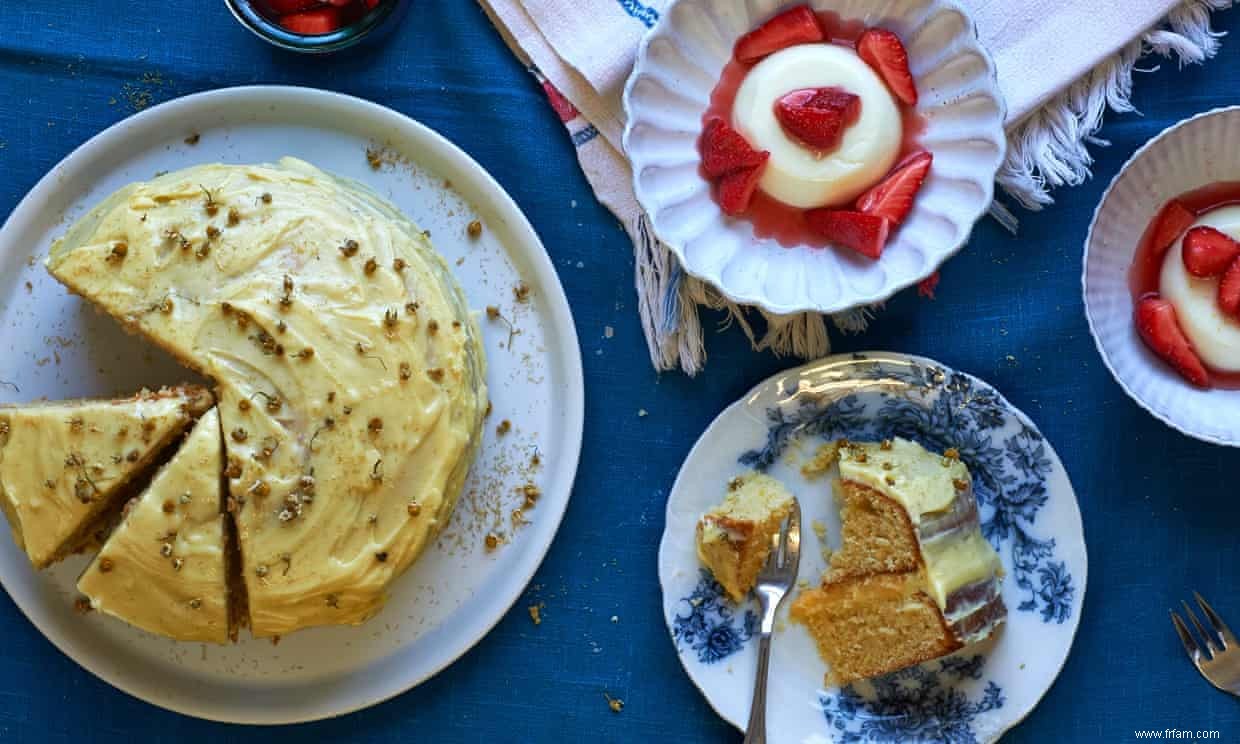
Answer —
(1196, 152)
(678, 65)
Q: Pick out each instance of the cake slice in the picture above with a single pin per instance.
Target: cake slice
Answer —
(164, 569)
(914, 579)
(734, 538)
(63, 464)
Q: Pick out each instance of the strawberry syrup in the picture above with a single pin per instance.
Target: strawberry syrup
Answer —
(772, 218)
(1143, 277)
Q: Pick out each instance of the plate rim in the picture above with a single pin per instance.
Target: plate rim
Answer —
(888, 290)
(560, 313)
(1089, 310)
(665, 540)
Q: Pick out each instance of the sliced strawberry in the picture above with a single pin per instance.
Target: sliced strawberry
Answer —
(892, 198)
(725, 151)
(926, 287)
(864, 233)
(1171, 222)
(797, 25)
(312, 22)
(338, 3)
(1208, 252)
(281, 7)
(736, 189)
(1157, 324)
(883, 51)
(1229, 290)
(818, 116)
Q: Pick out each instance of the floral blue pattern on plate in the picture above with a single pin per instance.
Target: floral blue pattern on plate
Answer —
(1028, 511)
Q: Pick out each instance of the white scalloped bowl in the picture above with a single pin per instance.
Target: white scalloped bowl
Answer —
(1196, 152)
(678, 65)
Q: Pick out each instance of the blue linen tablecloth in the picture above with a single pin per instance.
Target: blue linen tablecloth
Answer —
(1161, 511)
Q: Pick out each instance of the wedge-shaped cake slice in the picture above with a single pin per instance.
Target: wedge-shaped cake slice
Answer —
(63, 464)
(734, 538)
(164, 569)
(914, 579)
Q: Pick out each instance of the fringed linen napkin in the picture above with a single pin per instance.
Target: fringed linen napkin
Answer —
(1061, 65)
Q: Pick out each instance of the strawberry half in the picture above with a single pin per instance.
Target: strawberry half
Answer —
(818, 116)
(883, 51)
(1157, 324)
(736, 189)
(1208, 252)
(796, 25)
(927, 287)
(725, 151)
(1229, 290)
(864, 233)
(892, 198)
(1171, 222)
(312, 22)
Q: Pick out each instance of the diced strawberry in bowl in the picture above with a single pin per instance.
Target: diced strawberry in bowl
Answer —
(321, 20)
(317, 26)
(883, 50)
(864, 233)
(796, 25)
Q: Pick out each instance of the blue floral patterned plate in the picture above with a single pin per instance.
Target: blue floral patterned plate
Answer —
(1029, 513)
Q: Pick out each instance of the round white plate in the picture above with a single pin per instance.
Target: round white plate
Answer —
(1196, 152)
(678, 65)
(54, 345)
(1029, 513)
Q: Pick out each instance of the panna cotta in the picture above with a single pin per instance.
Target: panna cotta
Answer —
(1214, 335)
(795, 174)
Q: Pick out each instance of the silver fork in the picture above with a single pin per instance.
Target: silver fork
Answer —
(1220, 662)
(774, 581)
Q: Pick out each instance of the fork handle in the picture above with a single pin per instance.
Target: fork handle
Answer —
(755, 732)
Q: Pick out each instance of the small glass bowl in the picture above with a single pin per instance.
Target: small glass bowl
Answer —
(370, 27)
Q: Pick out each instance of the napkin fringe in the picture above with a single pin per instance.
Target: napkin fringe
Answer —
(1050, 147)
(669, 302)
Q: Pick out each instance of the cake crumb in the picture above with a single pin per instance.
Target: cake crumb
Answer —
(608, 331)
(193, 139)
(616, 704)
(474, 229)
(82, 605)
(824, 457)
(535, 611)
(504, 427)
(521, 292)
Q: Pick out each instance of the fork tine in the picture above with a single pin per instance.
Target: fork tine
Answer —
(1216, 622)
(782, 548)
(794, 535)
(1209, 637)
(1190, 645)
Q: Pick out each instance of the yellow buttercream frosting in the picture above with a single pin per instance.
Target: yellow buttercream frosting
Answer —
(351, 377)
(62, 465)
(927, 486)
(164, 568)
